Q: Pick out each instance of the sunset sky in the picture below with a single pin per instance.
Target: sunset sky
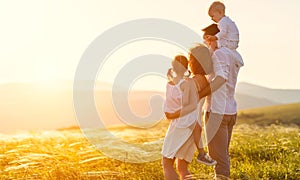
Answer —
(44, 40)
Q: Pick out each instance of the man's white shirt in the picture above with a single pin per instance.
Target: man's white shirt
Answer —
(222, 100)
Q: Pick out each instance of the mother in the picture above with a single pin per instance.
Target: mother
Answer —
(179, 141)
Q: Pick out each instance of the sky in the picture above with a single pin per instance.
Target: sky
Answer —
(44, 40)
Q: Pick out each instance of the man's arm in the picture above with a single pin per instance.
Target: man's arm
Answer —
(213, 86)
(221, 73)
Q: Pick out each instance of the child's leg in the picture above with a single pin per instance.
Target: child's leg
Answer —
(182, 167)
(202, 156)
(197, 138)
(168, 167)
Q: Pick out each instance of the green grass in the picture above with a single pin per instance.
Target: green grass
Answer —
(265, 145)
(256, 153)
(266, 152)
(288, 114)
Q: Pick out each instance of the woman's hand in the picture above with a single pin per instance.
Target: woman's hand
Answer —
(173, 115)
(169, 115)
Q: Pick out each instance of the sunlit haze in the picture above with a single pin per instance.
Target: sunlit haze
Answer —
(44, 40)
(42, 43)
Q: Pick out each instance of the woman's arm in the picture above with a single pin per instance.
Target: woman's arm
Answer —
(185, 88)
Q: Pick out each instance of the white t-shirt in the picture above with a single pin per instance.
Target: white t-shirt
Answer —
(227, 66)
(229, 33)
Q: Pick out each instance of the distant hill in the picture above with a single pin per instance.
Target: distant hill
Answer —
(286, 114)
(281, 96)
(28, 106)
(246, 102)
(49, 105)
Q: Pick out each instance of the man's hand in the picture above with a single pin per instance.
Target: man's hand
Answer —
(210, 38)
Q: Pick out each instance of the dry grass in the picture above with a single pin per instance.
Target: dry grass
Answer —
(257, 153)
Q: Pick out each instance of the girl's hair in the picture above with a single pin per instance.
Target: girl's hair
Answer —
(182, 60)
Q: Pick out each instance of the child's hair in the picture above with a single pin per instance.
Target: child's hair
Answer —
(217, 6)
(182, 60)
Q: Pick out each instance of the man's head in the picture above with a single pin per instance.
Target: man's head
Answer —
(216, 11)
(210, 30)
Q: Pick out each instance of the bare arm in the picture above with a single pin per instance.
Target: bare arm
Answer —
(213, 86)
(221, 72)
(185, 87)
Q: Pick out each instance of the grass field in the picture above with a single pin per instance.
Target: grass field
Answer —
(288, 114)
(257, 152)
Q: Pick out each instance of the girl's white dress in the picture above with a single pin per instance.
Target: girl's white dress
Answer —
(179, 141)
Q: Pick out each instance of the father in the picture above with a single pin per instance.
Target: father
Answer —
(220, 106)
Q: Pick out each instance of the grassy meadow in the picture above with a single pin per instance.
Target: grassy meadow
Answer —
(287, 115)
(258, 151)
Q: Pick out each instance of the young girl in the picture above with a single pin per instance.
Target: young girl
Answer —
(181, 138)
(179, 143)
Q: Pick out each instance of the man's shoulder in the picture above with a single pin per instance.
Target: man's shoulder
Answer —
(223, 53)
